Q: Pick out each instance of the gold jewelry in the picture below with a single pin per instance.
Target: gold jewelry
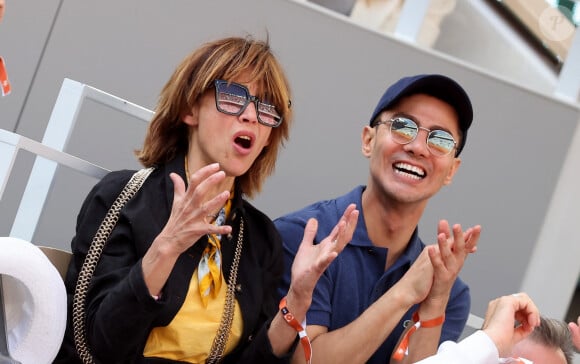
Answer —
(223, 333)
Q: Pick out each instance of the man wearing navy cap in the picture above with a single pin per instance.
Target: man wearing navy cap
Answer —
(384, 280)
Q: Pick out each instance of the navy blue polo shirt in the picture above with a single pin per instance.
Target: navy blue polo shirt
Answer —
(357, 277)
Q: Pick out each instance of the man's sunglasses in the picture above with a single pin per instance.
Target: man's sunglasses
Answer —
(404, 130)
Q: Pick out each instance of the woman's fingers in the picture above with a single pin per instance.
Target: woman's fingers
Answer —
(196, 206)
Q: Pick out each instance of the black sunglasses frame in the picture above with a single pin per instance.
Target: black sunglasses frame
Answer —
(249, 99)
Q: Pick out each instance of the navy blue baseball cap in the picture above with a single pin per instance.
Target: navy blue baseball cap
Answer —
(438, 86)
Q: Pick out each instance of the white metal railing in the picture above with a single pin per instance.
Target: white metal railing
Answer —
(50, 152)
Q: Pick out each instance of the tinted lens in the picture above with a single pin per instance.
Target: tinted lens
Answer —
(268, 115)
(233, 98)
(403, 130)
(440, 142)
(230, 98)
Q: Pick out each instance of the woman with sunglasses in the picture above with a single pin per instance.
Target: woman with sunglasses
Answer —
(190, 271)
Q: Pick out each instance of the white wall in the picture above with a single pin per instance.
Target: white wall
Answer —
(511, 165)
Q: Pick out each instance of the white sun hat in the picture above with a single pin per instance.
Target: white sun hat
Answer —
(35, 302)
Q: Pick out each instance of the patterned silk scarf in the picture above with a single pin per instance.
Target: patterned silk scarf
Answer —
(209, 271)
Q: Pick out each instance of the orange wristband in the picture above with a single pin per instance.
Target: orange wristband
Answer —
(403, 347)
(429, 323)
(300, 329)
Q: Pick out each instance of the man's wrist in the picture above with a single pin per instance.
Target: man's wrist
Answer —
(399, 294)
(418, 322)
(498, 339)
(430, 309)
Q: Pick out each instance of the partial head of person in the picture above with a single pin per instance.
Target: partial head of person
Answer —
(235, 77)
(549, 343)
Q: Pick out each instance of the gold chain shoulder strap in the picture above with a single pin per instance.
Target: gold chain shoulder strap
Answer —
(92, 258)
(222, 335)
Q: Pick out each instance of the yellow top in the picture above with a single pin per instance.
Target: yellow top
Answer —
(190, 334)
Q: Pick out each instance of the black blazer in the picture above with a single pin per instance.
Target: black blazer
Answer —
(120, 311)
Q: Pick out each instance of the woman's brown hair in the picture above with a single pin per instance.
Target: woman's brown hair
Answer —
(226, 59)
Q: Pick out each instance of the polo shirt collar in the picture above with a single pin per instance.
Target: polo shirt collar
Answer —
(360, 236)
